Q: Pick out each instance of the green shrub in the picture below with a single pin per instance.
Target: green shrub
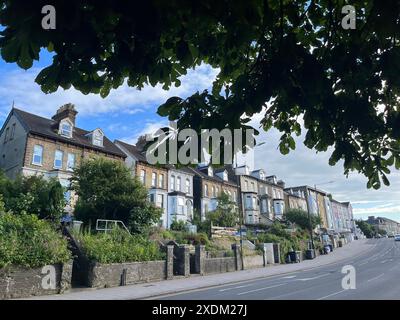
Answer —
(33, 194)
(278, 229)
(29, 242)
(178, 225)
(190, 238)
(166, 234)
(118, 246)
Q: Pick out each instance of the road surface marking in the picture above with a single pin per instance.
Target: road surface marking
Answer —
(330, 295)
(377, 277)
(384, 261)
(288, 277)
(237, 287)
(361, 264)
(265, 288)
(307, 279)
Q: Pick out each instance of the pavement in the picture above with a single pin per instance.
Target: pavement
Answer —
(371, 275)
(320, 278)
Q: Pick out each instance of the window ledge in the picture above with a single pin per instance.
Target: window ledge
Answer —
(37, 164)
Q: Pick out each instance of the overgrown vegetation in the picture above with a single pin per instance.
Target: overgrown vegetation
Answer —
(118, 246)
(368, 230)
(302, 219)
(178, 225)
(107, 190)
(27, 241)
(33, 194)
(226, 213)
(296, 240)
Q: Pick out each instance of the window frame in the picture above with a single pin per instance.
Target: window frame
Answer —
(55, 159)
(172, 183)
(34, 154)
(142, 176)
(187, 185)
(154, 179)
(161, 180)
(68, 133)
(206, 190)
(68, 161)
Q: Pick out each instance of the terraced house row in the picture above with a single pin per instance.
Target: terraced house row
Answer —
(30, 144)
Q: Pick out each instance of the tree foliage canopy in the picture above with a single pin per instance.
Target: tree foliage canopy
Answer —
(106, 190)
(368, 230)
(301, 218)
(226, 213)
(290, 60)
(33, 195)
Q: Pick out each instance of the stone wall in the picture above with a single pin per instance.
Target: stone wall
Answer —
(18, 282)
(112, 275)
(256, 261)
(219, 265)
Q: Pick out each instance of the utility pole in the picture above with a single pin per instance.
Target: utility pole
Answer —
(240, 209)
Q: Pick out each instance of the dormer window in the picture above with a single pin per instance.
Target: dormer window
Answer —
(66, 129)
(97, 138)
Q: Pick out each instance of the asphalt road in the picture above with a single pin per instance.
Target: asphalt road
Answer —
(377, 276)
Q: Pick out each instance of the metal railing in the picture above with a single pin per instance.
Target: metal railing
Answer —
(108, 225)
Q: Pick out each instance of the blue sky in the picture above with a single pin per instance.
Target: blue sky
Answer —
(127, 113)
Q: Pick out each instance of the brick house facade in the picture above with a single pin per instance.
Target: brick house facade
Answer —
(50, 147)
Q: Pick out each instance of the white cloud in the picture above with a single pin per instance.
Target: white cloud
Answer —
(19, 86)
(306, 167)
(149, 127)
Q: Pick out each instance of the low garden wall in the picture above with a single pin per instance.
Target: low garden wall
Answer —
(255, 261)
(116, 274)
(218, 265)
(18, 282)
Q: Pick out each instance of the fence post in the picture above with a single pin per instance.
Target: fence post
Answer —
(238, 260)
(170, 262)
(184, 260)
(199, 264)
(265, 259)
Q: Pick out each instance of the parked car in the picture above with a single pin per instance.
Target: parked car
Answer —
(397, 237)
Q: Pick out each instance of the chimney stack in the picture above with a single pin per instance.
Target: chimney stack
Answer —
(281, 183)
(66, 111)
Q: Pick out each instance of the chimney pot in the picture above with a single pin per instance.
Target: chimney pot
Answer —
(64, 112)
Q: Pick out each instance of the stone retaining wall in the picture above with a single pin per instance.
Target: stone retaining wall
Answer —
(256, 261)
(18, 282)
(218, 265)
(113, 274)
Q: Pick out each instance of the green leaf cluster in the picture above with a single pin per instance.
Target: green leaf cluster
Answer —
(26, 241)
(33, 194)
(118, 246)
(107, 190)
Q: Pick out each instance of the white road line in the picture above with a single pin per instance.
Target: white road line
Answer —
(361, 264)
(265, 288)
(317, 277)
(383, 261)
(288, 277)
(330, 295)
(237, 287)
(377, 277)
